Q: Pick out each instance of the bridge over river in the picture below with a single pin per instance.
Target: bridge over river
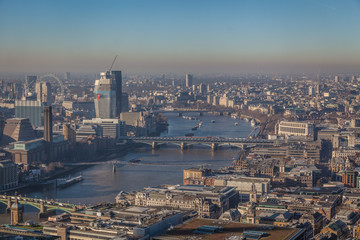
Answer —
(213, 142)
(45, 207)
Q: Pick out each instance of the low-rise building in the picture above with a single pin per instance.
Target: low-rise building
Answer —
(347, 216)
(295, 129)
(208, 201)
(116, 223)
(112, 128)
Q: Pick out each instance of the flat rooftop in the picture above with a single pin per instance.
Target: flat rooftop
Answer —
(187, 230)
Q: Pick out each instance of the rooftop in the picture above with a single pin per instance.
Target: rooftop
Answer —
(187, 230)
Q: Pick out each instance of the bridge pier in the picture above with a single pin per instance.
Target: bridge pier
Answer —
(42, 207)
(200, 114)
(179, 114)
(183, 145)
(214, 146)
(8, 208)
(154, 145)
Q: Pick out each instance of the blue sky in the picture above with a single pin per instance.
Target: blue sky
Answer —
(179, 35)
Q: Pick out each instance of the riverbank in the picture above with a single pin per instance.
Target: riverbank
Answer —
(266, 122)
(163, 165)
(70, 170)
(103, 158)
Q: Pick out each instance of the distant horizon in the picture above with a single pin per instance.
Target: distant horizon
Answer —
(312, 76)
(161, 36)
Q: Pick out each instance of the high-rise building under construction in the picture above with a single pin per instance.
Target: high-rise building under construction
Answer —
(107, 95)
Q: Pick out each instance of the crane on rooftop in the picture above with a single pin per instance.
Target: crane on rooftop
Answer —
(112, 63)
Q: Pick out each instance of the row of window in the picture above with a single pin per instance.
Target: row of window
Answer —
(293, 130)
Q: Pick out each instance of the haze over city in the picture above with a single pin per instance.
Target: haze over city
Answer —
(179, 119)
(180, 36)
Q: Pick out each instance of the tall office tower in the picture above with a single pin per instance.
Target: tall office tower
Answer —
(194, 88)
(31, 110)
(202, 88)
(311, 90)
(38, 90)
(13, 90)
(118, 80)
(29, 84)
(317, 89)
(69, 133)
(43, 92)
(67, 76)
(48, 133)
(337, 78)
(107, 95)
(124, 102)
(353, 79)
(208, 88)
(189, 80)
(209, 99)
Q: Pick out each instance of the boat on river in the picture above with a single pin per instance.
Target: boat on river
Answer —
(65, 182)
(135, 160)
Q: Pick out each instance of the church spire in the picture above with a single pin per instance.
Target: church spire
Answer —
(253, 193)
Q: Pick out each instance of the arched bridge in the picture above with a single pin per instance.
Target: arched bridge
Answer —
(213, 142)
(45, 206)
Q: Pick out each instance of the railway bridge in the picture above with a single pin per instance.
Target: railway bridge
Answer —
(213, 142)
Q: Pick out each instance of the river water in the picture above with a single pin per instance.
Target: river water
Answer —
(163, 165)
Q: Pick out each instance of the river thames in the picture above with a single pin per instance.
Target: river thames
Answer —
(161, 166)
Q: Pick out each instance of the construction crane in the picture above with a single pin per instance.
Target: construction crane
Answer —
(112, 63)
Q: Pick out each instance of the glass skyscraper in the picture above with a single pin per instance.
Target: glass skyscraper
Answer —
(107, 95)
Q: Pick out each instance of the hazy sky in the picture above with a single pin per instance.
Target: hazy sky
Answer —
(179, 35)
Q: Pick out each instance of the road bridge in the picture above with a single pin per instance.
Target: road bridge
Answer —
(213, 142)
(200, 112)
(182, 110)
(45, 207)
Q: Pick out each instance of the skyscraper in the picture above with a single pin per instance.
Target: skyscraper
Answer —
(29, 84)
(43, 92)
(311, 90)
(118, 81)
(125, 102)
(107, 95)
(189, 80)
(32, 110)
(202, 88)
(67, 76)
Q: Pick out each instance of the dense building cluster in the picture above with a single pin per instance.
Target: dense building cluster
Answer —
(305, 179)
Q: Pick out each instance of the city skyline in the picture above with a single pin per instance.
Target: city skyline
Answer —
(179, 36)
